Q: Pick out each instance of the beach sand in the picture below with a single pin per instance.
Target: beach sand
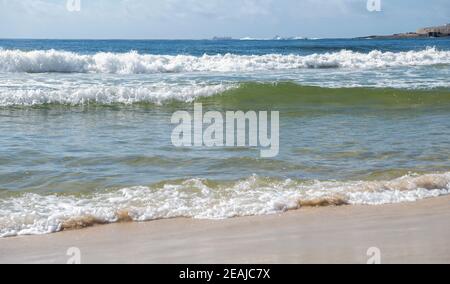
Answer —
(405, 233)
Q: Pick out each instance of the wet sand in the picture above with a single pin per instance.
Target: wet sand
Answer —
(405, 233)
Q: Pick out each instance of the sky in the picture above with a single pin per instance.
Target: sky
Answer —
(202, 19)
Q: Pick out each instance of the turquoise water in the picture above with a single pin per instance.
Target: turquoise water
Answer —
(85, 128)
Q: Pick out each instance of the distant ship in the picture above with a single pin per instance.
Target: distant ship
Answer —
(222, 38)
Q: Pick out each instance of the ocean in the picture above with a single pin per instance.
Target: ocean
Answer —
(85, 128)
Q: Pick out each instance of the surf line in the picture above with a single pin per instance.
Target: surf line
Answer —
(232, 129)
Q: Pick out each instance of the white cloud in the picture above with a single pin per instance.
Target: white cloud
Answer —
(31, 7)
(205, 18)
(223, 9)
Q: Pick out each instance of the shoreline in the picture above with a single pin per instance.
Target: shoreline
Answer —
(405, 36)
(405, 233)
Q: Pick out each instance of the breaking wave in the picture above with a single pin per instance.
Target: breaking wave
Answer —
(29, 213)
(46, 61)
(154, 94)
(226, 94)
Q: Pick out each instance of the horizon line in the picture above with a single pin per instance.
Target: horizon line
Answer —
(175, 39)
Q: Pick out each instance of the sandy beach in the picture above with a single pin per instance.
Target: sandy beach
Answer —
(405, 233)
(256, 133)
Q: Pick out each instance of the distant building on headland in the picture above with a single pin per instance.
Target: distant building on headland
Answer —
(435, 31)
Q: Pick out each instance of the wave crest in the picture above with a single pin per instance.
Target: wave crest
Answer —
(46, 61)
(232, 95)
(155, 94)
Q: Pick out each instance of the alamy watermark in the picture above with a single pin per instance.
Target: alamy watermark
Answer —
(74, 255)
(374, 255)
(73, 5)
(232, 129)
(374, 5)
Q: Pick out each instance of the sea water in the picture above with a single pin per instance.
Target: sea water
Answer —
(85, 128)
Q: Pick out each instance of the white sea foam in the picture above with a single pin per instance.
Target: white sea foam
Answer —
(134, 63)
(196, 198)
(156, 93)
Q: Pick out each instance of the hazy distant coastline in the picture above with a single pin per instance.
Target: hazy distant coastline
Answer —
(438, 31)
(429, 32)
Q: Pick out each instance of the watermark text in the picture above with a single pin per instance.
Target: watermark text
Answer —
(234, 129)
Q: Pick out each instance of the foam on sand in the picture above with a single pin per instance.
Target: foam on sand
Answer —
(30, 213)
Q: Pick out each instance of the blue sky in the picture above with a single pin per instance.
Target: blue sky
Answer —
(207, 18)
